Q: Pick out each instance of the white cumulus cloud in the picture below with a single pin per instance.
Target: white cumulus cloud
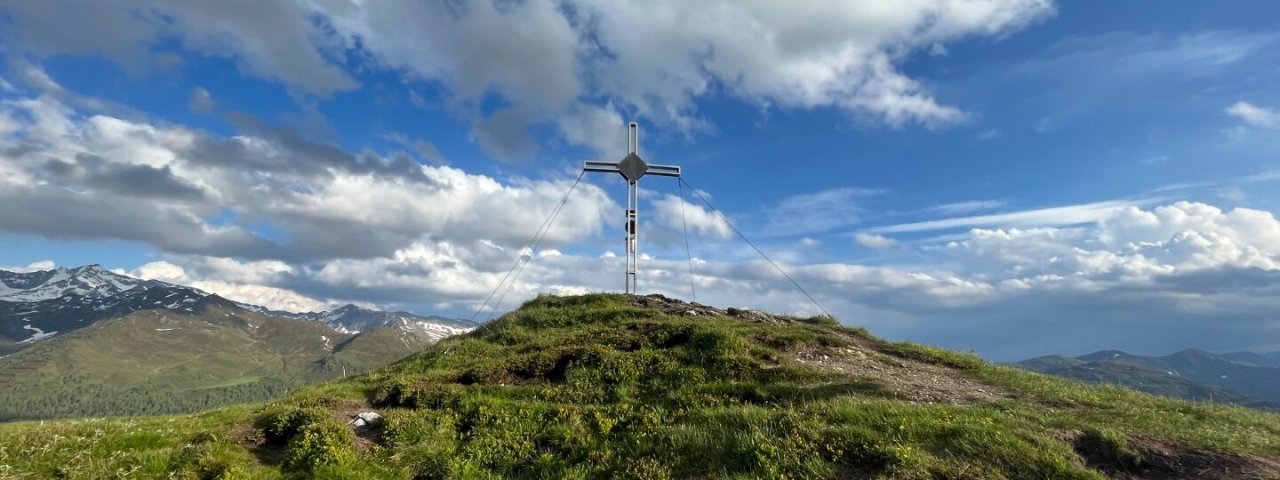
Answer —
(1254, 115)
(873, 241)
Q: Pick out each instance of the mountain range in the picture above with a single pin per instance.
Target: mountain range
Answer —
(353, 319)
(86, 341)
(1242, 378)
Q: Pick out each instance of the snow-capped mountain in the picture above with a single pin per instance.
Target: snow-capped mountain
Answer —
(90, 281)
(38, 305)
(353, 319)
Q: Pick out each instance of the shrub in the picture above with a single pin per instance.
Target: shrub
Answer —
(281, 423)
(320, 443)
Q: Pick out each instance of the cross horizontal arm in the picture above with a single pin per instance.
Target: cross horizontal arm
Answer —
(664, 170)
(605, 167)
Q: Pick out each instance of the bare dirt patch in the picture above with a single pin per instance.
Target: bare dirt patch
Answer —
(672, 306)
(1155, 458)
(912, 380)
(248, 437)
(675, 306)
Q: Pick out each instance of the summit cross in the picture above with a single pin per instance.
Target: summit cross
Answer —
(632, 167)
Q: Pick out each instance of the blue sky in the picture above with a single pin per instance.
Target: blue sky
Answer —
(1016, 177)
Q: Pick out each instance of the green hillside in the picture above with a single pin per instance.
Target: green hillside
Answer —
(612, 386)
(169, 361)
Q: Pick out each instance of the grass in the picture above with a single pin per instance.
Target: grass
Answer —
(595, 387)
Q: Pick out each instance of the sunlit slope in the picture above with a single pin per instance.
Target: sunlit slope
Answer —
(167, 361)
(611, 386)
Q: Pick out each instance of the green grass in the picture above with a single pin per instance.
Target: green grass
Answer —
(593, 387)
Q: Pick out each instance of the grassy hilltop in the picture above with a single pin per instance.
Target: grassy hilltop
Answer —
(613, 386)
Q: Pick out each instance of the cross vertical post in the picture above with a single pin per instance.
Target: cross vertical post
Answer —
(633, 207)
(632, 167)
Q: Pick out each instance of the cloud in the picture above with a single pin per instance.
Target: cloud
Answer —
(561, 63)
(1131, 55)
(144, 181)
(426, 151)
(33, 267)
(1052, 216)
(873, 241)
(277, 40)
(1254, 115)
(817, 212)
(264, 194)
(255, 294)
(201, 101)
(673, 217)
(505, 135)
(969, 206)
(1125, 70)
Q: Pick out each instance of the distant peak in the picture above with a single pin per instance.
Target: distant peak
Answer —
(1104, 355)
(92, 268)
(1193, 352)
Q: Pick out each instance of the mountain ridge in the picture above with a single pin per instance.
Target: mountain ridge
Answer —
(88, 341)
(1243, 378)
(173, 361)
(37, 305)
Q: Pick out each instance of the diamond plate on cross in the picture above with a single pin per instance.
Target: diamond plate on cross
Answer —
(632, 167)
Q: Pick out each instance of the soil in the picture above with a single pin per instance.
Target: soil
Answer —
(909, 379)
(672, 306)
(248, 437)
(1156, 458)
(675, 306)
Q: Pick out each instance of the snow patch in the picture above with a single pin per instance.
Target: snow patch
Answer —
(38, 336)
(167, 329)
(92, 282)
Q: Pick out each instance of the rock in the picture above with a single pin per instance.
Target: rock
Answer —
(366, 419)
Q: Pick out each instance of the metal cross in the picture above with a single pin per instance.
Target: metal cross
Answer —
(632, 167)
